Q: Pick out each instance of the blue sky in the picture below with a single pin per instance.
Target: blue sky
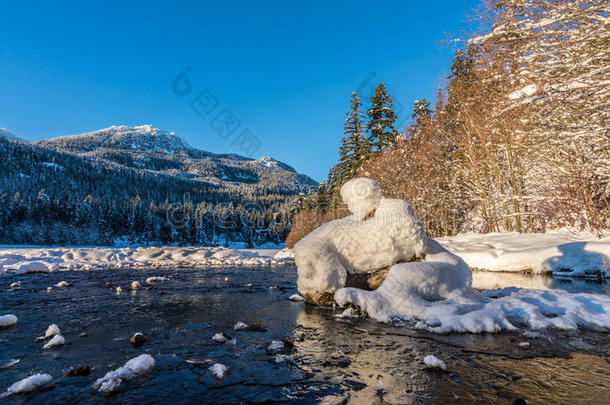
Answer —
(284, 69)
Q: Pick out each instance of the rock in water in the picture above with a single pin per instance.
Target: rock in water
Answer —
(80, 371)
(137, 339)
(361, 244)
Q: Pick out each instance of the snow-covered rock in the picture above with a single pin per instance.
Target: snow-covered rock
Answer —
(62, 284)
(7, 320)
(221, 338)
(296, 297)
(58, 340)
(134, 367)
(283, 358)
(51, 331)
(240, 326)
(151, 280)
(275, 346)
(357, 243)
(135, 285)
(436, 295)
(218, 370)
(434, 363)
(29, 384)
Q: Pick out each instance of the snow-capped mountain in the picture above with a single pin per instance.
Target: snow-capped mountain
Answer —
(7, 134)
(149, 148)
(142, 184)
(142, 138)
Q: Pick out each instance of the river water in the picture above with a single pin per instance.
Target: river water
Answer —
(335, 360)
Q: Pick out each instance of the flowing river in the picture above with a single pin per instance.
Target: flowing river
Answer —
(335, 360)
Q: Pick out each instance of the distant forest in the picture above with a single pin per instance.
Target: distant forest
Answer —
(51, 197)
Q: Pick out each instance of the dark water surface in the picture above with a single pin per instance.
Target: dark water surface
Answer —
(335, 359)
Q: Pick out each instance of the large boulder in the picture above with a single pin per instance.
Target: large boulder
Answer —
(380, 233)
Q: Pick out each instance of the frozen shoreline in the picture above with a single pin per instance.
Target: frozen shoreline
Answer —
(31, 260)
(552, 252)
(561, 252)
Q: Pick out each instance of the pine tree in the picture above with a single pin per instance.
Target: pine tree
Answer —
(356, 148)
(381, 120)
(421, 115)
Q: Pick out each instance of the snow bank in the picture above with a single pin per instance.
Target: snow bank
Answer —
(561, 252)
(29, 384)
(7, 320)
(31, 267)
(352, 244)
(28, 260)
(134, 367)
(436, 295)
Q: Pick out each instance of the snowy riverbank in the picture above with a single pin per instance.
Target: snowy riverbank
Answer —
(556, 251)
(27, 260)
(561, 252)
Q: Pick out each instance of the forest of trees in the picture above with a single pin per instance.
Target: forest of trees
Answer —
(517, 140)
(49, 197)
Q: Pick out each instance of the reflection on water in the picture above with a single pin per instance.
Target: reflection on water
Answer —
(334, 358)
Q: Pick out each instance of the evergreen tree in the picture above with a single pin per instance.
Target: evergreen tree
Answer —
(421, 115)
(381, 120)
(356, 147)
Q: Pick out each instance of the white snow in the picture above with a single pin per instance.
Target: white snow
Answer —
(524, 345)
(8, 320)
(434, 363)
(296, 297)
(220, 338)
(275, 346)
(355, 245)
(218, 370)
(58, 340)
(30, 267)
(29, 384)
(240, 326)
(283, 358)
(51, 331)
(21, 260)
(561, 252)
(436, 295)
(151, 280)
(134, 367)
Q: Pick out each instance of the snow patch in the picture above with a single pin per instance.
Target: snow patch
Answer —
(51, 331)
(8, 320)
(134, 367)
(58, 340)
(434, 363)
(218, 370)
(29, 384)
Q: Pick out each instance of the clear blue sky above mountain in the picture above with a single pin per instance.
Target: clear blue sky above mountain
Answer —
(284, 69)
